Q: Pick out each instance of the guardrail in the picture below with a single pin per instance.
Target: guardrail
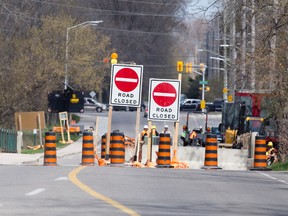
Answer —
(8, 141)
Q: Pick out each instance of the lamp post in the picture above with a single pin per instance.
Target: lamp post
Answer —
(87, 23)
(225, 74)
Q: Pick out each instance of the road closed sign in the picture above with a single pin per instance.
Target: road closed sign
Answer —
(126, 85)
(164, 99)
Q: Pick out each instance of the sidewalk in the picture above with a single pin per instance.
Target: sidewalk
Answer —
(32, 159)
(73, 148)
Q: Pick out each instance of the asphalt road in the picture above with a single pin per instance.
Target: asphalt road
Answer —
(125, 121)
(72, 190)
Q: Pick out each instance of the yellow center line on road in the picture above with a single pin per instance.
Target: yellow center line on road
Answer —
(73, 178)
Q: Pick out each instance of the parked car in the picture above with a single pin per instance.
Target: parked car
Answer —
(93, 105)
(189, 104)
(218, 104)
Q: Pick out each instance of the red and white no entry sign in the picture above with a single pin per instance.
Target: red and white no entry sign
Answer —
(126, 79)
(164, 99)
(164, 94)
(126, 85)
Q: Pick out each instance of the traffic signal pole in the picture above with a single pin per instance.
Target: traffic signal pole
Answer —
(176, 125)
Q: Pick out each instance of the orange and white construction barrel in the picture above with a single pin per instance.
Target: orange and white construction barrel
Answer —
(211, 152)
(260, 161)
(88, 158)
(50, 156)
(117, 149)
(164, 151)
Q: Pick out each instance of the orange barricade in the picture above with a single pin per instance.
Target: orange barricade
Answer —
(260, 162)
(103, 146)
(88, 149)
(72, 129)
(211, 153)
(164, 155)
(117, 149)
(50, 158)
(57, 129)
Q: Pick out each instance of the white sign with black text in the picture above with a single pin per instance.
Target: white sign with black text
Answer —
(126, 85)
(164, 99)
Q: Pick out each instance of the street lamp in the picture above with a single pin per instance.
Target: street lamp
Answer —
(87, 23)
(204, 50)
(225, 78)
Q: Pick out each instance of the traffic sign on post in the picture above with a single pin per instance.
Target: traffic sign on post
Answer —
(164, 99)
(126, 85)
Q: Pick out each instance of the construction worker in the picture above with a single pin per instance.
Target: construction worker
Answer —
(184, 135)
(154, 131)
(271, 153)
(193, 137)
(144, 134)
(166, 130)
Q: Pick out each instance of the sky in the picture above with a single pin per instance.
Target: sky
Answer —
(203, 8)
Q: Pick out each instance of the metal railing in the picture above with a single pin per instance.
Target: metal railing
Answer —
(8, 141)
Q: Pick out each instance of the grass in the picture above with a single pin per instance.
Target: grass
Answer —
(28, 138)
(279, 166)
(73, 137)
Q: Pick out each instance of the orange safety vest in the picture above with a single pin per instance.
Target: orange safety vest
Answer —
(193, 135)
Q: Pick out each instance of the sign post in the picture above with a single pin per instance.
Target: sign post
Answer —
(125, 90)
(164, 103)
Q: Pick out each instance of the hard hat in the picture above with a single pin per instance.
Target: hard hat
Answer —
(166, 126)
(153, 127)
(145, 126)
(270, 143)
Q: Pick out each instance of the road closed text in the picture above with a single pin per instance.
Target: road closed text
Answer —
(163, 113)
(124, 98)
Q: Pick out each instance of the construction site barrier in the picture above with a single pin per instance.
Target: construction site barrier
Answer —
(50, 157)
(72, 129)
(103, 146)
(211, 153)
(164, 153)
(260, 162)
(88, 158)
(117, 148)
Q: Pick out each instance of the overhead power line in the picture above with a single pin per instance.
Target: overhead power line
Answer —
(112, 12)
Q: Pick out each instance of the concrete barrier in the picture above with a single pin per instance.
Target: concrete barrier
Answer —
(228, 159)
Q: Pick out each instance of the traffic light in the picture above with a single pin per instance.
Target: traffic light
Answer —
(230, 98)
(190, 67)
(206, 88)
(202, 67)
(114, 57)
(179, 66)
(202, 104)
(225, 90)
